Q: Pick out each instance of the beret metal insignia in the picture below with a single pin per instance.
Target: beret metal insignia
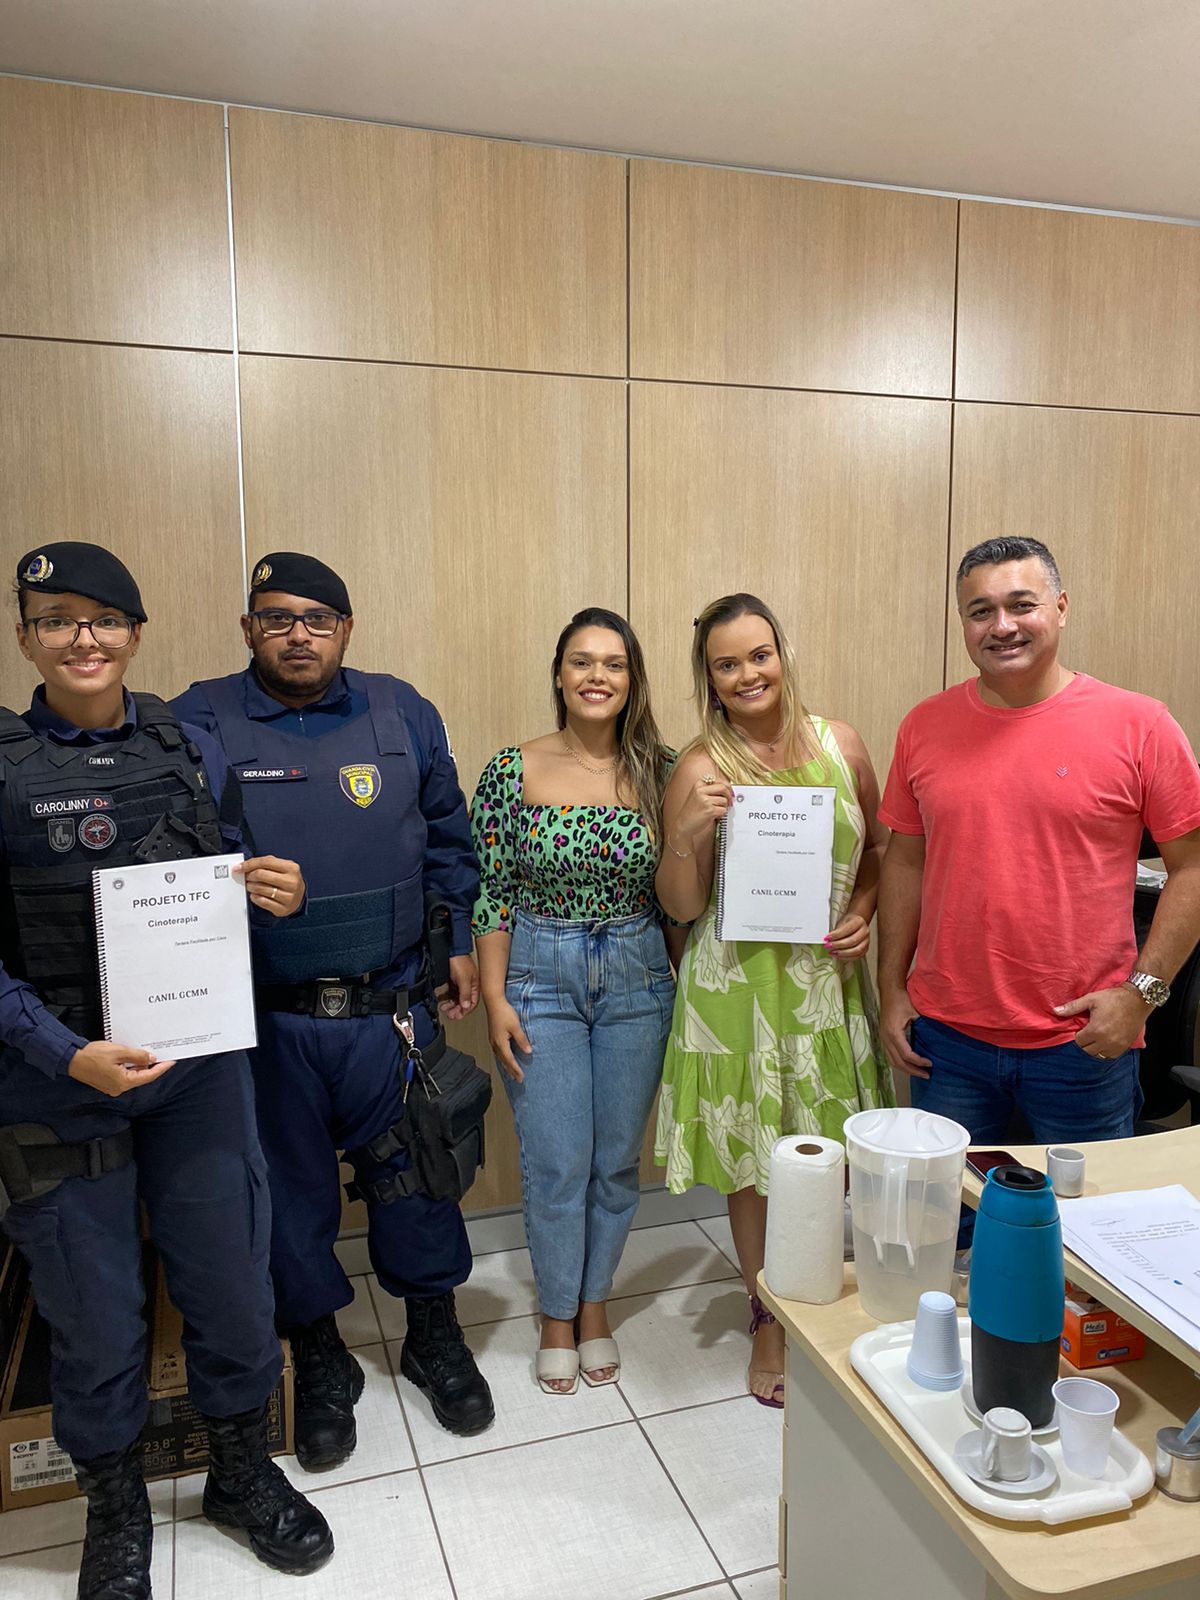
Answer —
(38, 570)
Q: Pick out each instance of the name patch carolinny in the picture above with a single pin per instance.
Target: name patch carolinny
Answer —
(70, 806)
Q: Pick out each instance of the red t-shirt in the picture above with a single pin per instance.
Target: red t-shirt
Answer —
(1032, 819)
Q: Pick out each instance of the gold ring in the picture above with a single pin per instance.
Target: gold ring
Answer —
(709, 777)
(274, 892)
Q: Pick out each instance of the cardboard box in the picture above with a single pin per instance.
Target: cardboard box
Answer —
(1094, 1336)
(33, 1470)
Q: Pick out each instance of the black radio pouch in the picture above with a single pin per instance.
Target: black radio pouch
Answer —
(446, 1097)
(445, 1110)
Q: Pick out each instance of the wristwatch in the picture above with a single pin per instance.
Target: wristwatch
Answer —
(1152, 990)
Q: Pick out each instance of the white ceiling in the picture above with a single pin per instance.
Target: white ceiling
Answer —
(1079, 102)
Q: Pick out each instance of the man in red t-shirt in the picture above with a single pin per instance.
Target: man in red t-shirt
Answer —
(1017, 801)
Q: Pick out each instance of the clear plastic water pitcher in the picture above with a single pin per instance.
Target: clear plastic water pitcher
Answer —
(906, 1172)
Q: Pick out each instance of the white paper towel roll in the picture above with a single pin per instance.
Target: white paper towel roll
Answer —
(805, 1242)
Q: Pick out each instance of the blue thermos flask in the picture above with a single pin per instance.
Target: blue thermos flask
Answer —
(1016, 1294)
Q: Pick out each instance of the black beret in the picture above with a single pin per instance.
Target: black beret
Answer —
(72, 567)
(289, 572)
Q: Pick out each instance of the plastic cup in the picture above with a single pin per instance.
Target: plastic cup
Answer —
(1064, 1168)
(1006, 1447)
(1086, 1411)
(935, 1356)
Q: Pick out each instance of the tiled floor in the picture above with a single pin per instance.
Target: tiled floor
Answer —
(664, 1485)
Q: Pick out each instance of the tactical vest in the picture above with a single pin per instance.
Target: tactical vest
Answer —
(346, 806)
(68, 808)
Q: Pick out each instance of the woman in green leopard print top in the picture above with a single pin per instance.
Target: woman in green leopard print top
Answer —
(575, 975)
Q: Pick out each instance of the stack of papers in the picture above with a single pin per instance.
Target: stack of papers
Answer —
(1146, 1243)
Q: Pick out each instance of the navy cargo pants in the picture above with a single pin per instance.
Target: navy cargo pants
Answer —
(198, 1168)
(326, 1085)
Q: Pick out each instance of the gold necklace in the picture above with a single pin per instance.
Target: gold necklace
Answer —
(769, 743)
(598, 772)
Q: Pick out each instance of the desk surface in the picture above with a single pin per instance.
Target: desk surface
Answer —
(1112, 1166)
(1157, 1542)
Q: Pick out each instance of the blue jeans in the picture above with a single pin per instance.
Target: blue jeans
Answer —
(595, 1000)
(1065, 1094)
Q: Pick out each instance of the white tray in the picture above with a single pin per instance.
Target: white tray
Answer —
(936, 1421)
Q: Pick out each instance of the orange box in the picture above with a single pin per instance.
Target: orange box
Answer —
(1094, 1336)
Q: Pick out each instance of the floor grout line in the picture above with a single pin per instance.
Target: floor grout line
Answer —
(683, 1501)
(412, 1444)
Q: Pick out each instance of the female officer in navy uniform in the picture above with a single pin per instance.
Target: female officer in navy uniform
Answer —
(91, 776)
(351, 772)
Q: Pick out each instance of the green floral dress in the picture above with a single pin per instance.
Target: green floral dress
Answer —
(769, 1039)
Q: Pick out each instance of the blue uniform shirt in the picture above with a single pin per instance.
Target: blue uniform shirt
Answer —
(25, 1024)
(449, 867)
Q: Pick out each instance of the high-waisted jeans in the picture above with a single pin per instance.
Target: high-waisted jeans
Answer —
(595, 1000)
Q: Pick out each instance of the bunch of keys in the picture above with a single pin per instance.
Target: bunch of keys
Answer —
(414, 1061)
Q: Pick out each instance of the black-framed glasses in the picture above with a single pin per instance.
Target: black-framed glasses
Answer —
(321, 624)
(60, 633)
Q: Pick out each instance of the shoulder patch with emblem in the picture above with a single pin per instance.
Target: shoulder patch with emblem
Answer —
(61, 834)
(97, 832)
(360, 783)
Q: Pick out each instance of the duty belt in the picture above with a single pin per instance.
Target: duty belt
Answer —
(34, 1161)
(338, 998)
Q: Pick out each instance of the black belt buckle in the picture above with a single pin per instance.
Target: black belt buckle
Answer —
(332, 1000)
(93, 1158)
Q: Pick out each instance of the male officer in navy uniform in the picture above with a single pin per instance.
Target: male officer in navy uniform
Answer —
(91, 776)
(353, 774)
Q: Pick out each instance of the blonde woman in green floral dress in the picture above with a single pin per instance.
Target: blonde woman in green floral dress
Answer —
(767, 1039)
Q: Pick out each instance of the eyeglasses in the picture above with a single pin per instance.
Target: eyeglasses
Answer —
(321, 624)
(60, 633)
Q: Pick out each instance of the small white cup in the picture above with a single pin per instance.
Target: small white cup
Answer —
(935, 1357)
(1006, 1449)
(1064, 1168)
(1085, 1412)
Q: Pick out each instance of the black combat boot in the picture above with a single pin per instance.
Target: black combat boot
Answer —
(328, 1383)
(245, 1489)
(116, 1547)
(435, 1357)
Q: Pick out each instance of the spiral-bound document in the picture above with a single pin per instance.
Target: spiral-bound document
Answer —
(775, 865)
(174, 945)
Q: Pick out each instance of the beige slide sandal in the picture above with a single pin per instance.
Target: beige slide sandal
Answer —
(557, 1366)
(594, 1355)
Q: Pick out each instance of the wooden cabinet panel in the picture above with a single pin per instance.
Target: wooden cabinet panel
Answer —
(471, 514)
(136, 450)
(1116, 497)
(1063, 308)
(114, 217)
(740, 277)
(354, 239)
(832, 508)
